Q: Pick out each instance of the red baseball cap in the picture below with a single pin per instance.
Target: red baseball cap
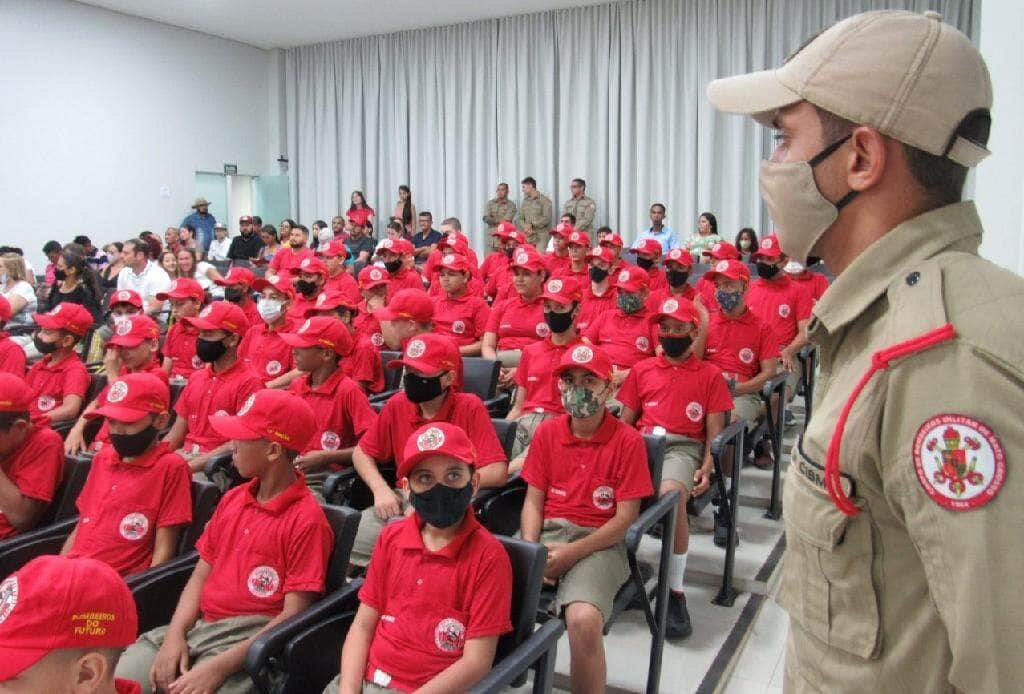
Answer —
(330, 300)
(562, 229)
(125, 296)
(593, 359)
(132, 396)
(578, 238)
(733, 269)
(602, 253)
(132, 331)
(562, 290)
(271, 414)
(408, 304)
(237, 275)
(54, 603)
(769, 248)
(455, 241)
(5, 309)
(723, 250)
(333, 249)
(612, 239)
(278, 282)
(648, 245)
(220, 315)
(517, 236)
(321, 331)
(527, 257)
(397, 246)
(314, 266)
(183, 288)
(676, 307)
(372, 276)
(504, 229)
(436, 438)
(457, 262)
(632, 278)
(681, 256)
(15, 394)
(430, 354)
(66, 316)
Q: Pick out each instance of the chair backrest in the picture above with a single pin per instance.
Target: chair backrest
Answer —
(506, 431)
(176, 390)
(344, 522)
(392, 377)
(97, 382)
(480, 376)
(76, 470)
(698, 271)
(528, 559)
(655, 459)
(205, 497)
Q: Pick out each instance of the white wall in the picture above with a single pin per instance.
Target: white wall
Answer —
(99, 110)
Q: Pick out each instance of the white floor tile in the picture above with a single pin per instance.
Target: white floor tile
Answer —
(742, 685)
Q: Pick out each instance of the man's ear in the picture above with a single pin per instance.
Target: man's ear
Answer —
(161, 420)
(868, 158)
(475, 481)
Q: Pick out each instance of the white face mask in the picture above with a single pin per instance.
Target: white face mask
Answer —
(325, 235)
(793, 268)
(269, 309)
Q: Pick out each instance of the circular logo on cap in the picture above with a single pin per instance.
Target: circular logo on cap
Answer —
(670, 306)
(134, 526)
(263, 581)
(604, 497)
(448, 259)
(118, 391)
(542, 329)
(415, 349)
(694, 411)
(305, 326)
(8, 597)
(643, 344)
(582, 354)
(124, 295)
(784, 310)
(574, 237)
(722, 266)
(959, 460)
(555, 286)
(560, 227)
(376, 274)
(197, 363)
(206, 311)
(304, 263)
(675, 254)
(56, 309)
(522, 258)
(218, 413)
(450, 635)
(45, 403)
(717, 247)
(387, 243)
(330, 441)
(430, 440)
(458, 327)
(747, 355)
(452, 239)
(244, 409)
(124, 326)
(273, 367)
(624, 276)
(320, 299)
(766, 243)
(272, 279)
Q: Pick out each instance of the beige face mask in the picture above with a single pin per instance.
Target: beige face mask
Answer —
(800, 212)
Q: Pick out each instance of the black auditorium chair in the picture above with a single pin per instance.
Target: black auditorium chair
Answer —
(809, 362)
(480, 377)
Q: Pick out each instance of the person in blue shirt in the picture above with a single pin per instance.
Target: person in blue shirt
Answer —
(426, 238)
(202, 221)
(658, 231)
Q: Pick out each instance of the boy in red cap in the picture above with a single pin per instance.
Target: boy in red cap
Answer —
(339, 279)
(452, 241)
(518, 320)
(262, 557)
(428, 395)
(12, 356)
(599, 294)
(262, 347)
(648, 255)
(496, 270)
(59, 381)
(458, 314)
(238, 286)
(684, 399)
(373, 283)
(615, 244)
(396, 254)
(220, 388)
(721, 250)
(408, 312)
(63, 625)
(187, 298)
(343, 413)
(625, 333)
(363, 365)
(308, 276)
(137, 496)
(587, 473)
(122, 303)
(577, 244)
(31, 460)
(443, 635)
(678, 263)
(556, 253)
(450, 258)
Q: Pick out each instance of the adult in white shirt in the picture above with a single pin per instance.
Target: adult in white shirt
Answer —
(218, 249)
(16, 289)
(142, 274)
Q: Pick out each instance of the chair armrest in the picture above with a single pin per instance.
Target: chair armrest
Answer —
(337, 486)
(220, 463)
(727, 436)
(807, 350)
(156, 591)
(484, 495)
(776, 382)
(649, 518)
(382, 396)
(543, 640)
(499, 400)
(20, 549)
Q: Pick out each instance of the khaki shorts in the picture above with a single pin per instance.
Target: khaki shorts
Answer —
(683, 457)
(368, 687)
(525, 428)
(369, 530)
(749, 407)
(509, 357)
(594, 579)
(205, 640)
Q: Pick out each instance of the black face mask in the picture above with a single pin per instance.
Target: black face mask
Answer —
(509, 251)
(677, 278)
(42, 346)
(645, 263)
(393, 266)
(558, 322)
(133, 445)
(597, 274)
(210, 350)
(306, 287)
(233, 294)
(675, 346)
(441, 506)
(767, 271)
(60, 275)
(421, 388)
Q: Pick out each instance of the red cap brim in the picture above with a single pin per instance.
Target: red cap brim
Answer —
(121, 414)
(203, 324)
(559, 370)
(48, 322)
(234, 428)
(417, 365)
(126, 340)
(296, 340)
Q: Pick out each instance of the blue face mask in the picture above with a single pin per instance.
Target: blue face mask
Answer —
(728, 300)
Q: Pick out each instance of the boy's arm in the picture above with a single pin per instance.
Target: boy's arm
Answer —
(21, 511)
(755, 384)
(75, 440)
(385, 502)
(70, 542)
(357, 649)
(68, 409)
(476, 661)
(532, 519)
(165, 545)
(176, 436)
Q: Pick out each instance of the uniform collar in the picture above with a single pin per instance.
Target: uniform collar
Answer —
(883, 262)
(234, 368)
(746, 317)
(443, 414)
(602, 436)
(279, 504)
(458, 299)
(690, 363)
(410, 536)
(328, 386)
(146, 460)
(781, 281)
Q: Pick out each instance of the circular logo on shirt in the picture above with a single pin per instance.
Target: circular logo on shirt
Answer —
(450, 635)
(376, 274)
(784, 310)
(330, 441)
(377, 339)
(555, 286)
(722, 266)
(263, 581)
(273, 367)
(45, 403)
(604, 497)
(694, 411)
(305, 326)
(123, 326)
(118, 391)
(134, 526)
(458, 327)
(747, 355)
(320, 299)
(643, 344)
(244, 409)
(197, 363)
(8, 597)
(624, 276)
(542, 329)
(206, 311)
(670, 306)
(582, 354)
(415, 349)
(959, 461)
(430, 440)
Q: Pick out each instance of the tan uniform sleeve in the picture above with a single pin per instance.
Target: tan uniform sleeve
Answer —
(510, 212)
(491, 213)
(585, 215)
(544, 221)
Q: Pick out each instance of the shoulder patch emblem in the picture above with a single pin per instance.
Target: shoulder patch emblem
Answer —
(959, 461)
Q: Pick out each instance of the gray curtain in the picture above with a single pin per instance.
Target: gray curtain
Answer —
(613, 94)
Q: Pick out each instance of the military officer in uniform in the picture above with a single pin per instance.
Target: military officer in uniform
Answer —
(581, 207)
(499, 209)
(903, 517)
(535, 214)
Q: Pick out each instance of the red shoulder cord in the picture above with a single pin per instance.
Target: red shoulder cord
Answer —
(879, 360)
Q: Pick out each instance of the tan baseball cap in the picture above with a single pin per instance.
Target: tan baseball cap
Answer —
(910, 76)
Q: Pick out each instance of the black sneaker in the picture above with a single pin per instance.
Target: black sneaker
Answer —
(789, 419)
(722, 533)
(677, 624)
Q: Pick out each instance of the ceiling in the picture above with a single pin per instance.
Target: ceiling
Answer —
(288, 23)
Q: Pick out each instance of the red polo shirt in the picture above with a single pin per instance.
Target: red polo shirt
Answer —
(12, 356)
(287, 257)
(518, 323)
(300, 304)
(252, 313)
(367, 325)
(534, 375)
(431, 603)
(209, 393)
(675, 397)
(346, 284)
(497, 277)
(406, 278)
(52, 382)
(657, 279)
(385, 440)
(364, 365)
(581, 276)
(123, 503)
(266, 353)
(583, 479)
(780, 304)
(35, 468)
(464, 319)
(259, 552)
(343, 413)
(814, 283)
(625, 337)
(737, 345)
(706, 291)
(180, 347)
(556, 263)
(592, 305)
(656, 299)
(494, 262)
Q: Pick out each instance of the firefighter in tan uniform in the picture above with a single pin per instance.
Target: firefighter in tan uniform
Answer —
(903, 517)
(535, 214)
(499, 209)
(582, 208)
